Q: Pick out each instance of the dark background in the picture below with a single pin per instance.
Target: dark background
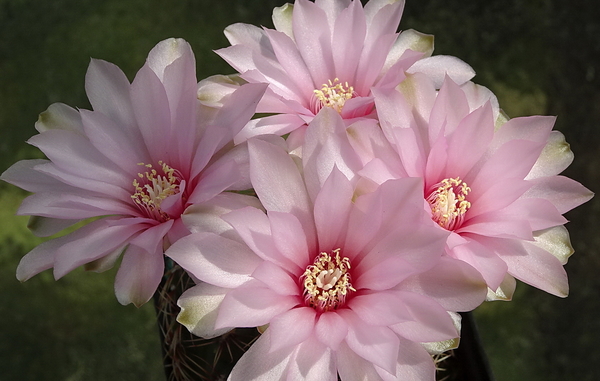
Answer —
(539, 57)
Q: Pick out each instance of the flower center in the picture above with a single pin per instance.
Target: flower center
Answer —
(327, 281)
(332, 94)
(449, 203)
(154, 186)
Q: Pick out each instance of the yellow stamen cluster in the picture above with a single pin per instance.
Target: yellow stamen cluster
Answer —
(327, 281)
(449, 202)
(154, 189)
(333, 94)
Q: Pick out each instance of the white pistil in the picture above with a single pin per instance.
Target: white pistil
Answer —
(154, 189)
(327, 281)
(332, 94)
(449, 203)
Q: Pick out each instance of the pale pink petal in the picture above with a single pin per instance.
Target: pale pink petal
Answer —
(378, 345)
(312, 361)
(206, 217)
(540, 213)
(534, 128)
(199, 306)
(24, 175)
(483, 259)
(138, 276)
(254, 228)
(454, 284)
(259, 364)
(332, 207)
(289, 237)
(107, 88)
(202, 255)
(414, 363)
(247, 34)
(564, 193)
(91, 242)
(326, 145)
(385, 273)
(115, 141)
(428, 320)
(151, 239)
(438, 67)
(240, 57)
(513, 160)
(538, 268)
(292, 327)
(331, 329)
(290, 59)
(59, 116)
(277, 279)
(64, 148)
(469, 141)
(352, 367)
(47, 226)
(449, 109)
(253, 305)
(555, 157)
(313, 38)
(152, 112)
(274, 124)
(349, 32)
(278, 184)
(379, 309)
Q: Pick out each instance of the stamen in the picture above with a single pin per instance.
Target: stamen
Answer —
(154, 188)
(327, 281)
(449, 203)
(332, 94)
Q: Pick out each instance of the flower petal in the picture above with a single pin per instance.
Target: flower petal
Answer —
(139, 275)
(199, 306)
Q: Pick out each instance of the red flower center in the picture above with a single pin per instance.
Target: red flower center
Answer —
(448, 202)
(327, 281)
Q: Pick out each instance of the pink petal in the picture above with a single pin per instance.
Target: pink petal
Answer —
(312, 362)
(199, 306)
(152, 112)
(564, 193)
(313, 39)
(349, 32)
(452, 283)
(122, 145)
(107, 88)
(483, 258)
(555, 157)
(414, 363)
(59, 116)
(252, 305)
(274, 124)
(352, 367)
(326, 146)
(439, 67)
(289, 237)
(202, 255)
(428, 320)
(138, 276)
(378, 345)
(91, 242)
(259, 364)
(332, 207)
(470, 140)
(74, 154)
(449, 109)
(540, 269)
(331, 329)
(278, 184)
(292, 327)
(379, 309)
(277, 279)
(254, 228)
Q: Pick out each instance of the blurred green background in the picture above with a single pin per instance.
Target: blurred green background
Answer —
(539, 57)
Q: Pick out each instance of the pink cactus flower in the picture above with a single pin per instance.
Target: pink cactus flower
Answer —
(493, 184)
(138, 160)
(343, 281)
(329, 53)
